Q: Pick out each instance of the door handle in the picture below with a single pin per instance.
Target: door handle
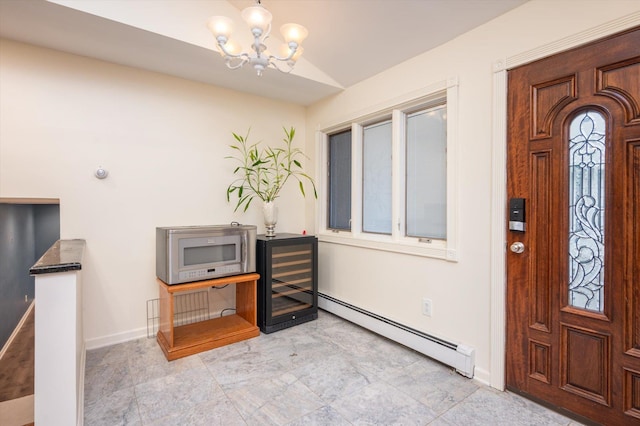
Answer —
(517, 247)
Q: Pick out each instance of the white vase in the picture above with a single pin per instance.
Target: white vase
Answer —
(270, 213)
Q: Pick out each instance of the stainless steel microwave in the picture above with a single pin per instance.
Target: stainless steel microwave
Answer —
(195, 253)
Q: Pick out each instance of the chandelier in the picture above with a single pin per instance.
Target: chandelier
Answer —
(259, 21)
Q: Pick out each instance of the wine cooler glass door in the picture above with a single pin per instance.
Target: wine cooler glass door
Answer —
(291, 279)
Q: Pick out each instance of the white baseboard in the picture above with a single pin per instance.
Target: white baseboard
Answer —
(83, 362)
(114, 339)
(482, 376)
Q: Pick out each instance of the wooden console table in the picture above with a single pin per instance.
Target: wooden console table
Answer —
(185, 340)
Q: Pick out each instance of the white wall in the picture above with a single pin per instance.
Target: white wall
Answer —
(163, 141)
(393, 285)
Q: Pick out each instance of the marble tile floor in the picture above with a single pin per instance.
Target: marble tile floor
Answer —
(325, 372)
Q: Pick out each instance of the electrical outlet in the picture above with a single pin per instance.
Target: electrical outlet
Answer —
(426, 307)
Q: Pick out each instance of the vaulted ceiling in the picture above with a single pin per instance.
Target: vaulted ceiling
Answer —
(349, 40)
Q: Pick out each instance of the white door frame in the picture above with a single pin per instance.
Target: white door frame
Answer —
(499, 177)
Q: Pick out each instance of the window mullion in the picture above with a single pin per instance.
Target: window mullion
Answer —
(398, 174)
(356, 179)
(322, 177)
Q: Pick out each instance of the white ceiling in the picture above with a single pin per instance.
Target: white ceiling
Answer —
(349, 40)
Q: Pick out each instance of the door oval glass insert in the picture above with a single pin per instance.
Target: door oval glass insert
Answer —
(587, 135)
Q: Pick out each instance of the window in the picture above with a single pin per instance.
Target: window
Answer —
(587, 153)
(426, 170)
(391, 177)
(376, 178)
(340, 181)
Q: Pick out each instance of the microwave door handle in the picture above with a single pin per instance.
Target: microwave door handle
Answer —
(244, 249)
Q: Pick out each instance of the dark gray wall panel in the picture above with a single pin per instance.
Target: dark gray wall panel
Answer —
(26, 232)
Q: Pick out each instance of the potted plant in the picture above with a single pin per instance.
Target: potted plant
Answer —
(263, 172)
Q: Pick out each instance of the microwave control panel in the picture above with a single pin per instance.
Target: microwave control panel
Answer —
(207, 273)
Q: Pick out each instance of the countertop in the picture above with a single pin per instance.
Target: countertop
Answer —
(63, 256)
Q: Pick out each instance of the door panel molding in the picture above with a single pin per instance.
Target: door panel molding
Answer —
(540, 291)
(632, 393)
(547, 99)
(632, 293)
(632, 333)
(540, 361)
(607, 84)
(576, 342)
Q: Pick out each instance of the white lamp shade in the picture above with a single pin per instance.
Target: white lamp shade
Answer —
(257, 17)
(294, 33)
(220, 26)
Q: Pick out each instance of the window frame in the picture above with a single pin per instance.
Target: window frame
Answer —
(443, 92)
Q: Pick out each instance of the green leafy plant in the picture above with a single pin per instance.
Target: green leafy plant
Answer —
(263, 172)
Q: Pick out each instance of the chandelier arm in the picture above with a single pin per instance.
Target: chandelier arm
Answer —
(293, 48)
(275, 65)
(267, 33)
(239, 64)
(229, 54)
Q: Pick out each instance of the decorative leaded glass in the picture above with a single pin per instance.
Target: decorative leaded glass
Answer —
(586, 211)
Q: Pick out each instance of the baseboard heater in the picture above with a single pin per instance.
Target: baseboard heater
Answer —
(460, 357)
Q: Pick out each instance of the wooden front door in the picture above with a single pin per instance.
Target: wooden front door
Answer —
(573, 284)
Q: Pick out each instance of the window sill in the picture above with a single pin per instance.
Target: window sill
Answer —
(436, 250)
